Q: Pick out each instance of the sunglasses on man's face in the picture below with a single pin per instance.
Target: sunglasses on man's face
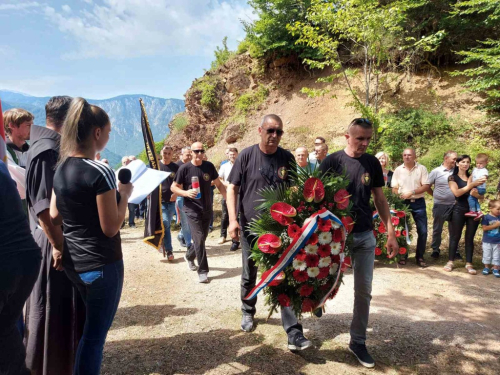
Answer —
(278, 132)
(198, 151)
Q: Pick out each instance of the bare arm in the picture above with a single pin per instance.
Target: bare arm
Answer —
(234, 227)
(221, 187)
(111, 214)
(496, 224)
(385, 215)
(54, 233)
(177, 189)
(459, 192)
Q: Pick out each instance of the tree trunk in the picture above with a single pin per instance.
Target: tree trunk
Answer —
(367, 80)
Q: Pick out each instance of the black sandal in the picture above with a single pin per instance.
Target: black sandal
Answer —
(402, 262)
(421, 263)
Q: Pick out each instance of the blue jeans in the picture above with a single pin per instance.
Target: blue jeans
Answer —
(185, 230)
(363, 258)
(101, 290)
(473, 201)
(419, 213)
(167, 213)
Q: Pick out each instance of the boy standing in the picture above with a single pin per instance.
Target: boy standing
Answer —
(478, 172)
(491, 239)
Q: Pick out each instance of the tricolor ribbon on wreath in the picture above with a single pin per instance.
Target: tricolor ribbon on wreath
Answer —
(408, 240)
(310, 226)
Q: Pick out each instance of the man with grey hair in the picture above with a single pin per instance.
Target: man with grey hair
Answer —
(262, 165)
(301, 156)
(444, 199)
(125, 161)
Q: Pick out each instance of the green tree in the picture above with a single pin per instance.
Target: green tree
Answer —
(222, 55)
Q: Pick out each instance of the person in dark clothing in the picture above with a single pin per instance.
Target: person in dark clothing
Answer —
(20, 260)
(185, 232)
(365, 176)
(55, 312)
(262, 165)
(461, 188)
(85, 202)
(167, 198)
(198, 210)
(384, 160)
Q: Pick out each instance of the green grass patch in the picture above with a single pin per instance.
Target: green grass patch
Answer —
(180, 122)
(250, 101)
(210, 87)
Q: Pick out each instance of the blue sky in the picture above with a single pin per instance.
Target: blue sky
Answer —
(103, 48)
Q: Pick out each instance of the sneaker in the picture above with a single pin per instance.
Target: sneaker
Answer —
(359, 350)
(132, 225)
(247, 323)
(221, 240)
(479, 216)
(234, 246)
(190, 263)
(170, 256)
(496, 273)
(435, 255)
(203, 278)
(470, 214)
(486, 271)
(299, 342)
(458, 256)
(182, 241)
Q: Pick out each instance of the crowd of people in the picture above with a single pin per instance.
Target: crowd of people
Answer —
(62, 210)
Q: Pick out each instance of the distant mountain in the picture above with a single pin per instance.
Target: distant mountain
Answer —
(124, 113)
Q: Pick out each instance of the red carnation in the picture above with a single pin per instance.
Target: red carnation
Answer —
(402, 250)
(395, 220)
(334, 293)
(324, 225)
(348, 223)
(312, 260)
(308, 305)
(337, 235)
(398, 233)
(324, 250)
(403, 232)
(293, 230)
(336, 259)
(306, 290)
(400, 214)
(313, 240)
(378, 251)
(323, 272)
(327, 286)
(301, 256)
(300, 276)
(381, 228)
(284, 300)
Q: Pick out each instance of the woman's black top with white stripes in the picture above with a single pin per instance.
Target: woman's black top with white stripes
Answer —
(77, 183)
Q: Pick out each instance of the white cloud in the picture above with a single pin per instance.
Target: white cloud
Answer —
(133, 28)
(66, 8)
(20, 5)
(39, 86)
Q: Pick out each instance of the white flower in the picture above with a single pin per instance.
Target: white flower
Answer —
(335, 248)
(299, 265)
(311, 249)
(324, 238)
(313, 271)
(324, 262)
(335, 225)
(333, 269)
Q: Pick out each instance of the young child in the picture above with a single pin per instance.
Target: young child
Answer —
(491, 239)
(478, 172)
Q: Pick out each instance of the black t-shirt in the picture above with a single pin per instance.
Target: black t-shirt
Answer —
(463, 200)
(179, 162)
(15, 235)
(364, 174)
(77, 183)
(166, 193)
(254, 170)
(206, 173)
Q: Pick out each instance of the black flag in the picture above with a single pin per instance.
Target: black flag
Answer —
(153, 227)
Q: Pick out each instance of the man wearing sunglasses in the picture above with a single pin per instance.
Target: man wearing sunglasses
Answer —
(198, 211)
(259, 166)
(365, 179)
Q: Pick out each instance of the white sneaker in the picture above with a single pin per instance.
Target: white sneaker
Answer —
(221, 240)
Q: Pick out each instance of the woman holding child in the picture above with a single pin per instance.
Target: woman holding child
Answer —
(462, 187)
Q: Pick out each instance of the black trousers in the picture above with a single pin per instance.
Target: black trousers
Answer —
(440, 213)
(18, 274)
(419, 214)
(458, 220)
(131, 213)
(224, 220)
(248, 280)
(199, 225)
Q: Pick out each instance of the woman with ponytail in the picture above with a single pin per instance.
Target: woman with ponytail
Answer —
(85, 202)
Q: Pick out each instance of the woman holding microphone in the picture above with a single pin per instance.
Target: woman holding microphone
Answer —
(85, 202)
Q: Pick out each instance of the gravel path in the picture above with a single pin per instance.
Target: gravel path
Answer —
(422, 321)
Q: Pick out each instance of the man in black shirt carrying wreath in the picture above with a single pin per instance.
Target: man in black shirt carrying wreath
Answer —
(259, 166)
(365, 178)
(198, 211)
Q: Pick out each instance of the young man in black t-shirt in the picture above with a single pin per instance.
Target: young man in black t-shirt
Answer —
(184, 235)
(167, 198)
(365, 178)
(258, 166)
(198, 211)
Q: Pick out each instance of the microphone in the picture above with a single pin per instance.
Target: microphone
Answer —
(124, 176)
